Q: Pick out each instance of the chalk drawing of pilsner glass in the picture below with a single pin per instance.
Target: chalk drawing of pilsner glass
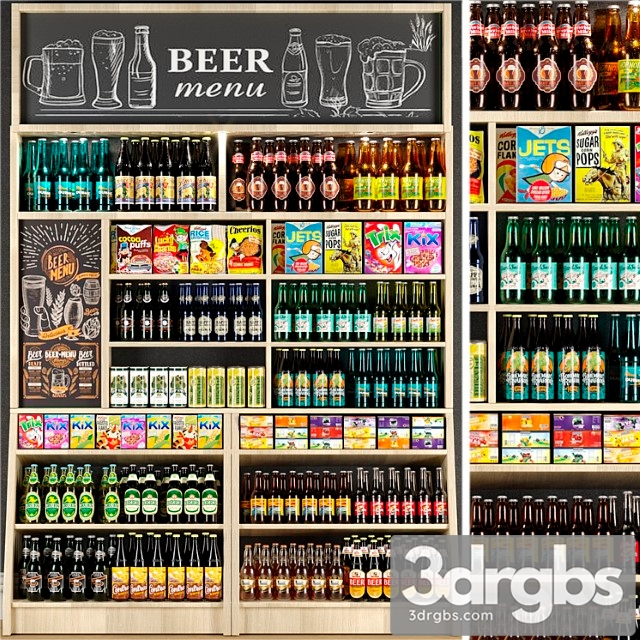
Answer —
(384, 63)
(333, 54)
(295, 72)
(142, 73)
(62, 73)
(107, 53)
(33, 294)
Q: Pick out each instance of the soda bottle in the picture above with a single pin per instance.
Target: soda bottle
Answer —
(435, 179)
(628, 62)
(281, 187)
(568, 363)
(629, 264)
(381, 379)
(237, 199)
(630, 365)
(103, 180)
(343, 316)
(62, 191)
(546, 75)
(431, 382)
(363, 382)
(582, 55)
(42, 177)
(542, 365)
(398, 380)
(476, 262)
(123, 180)
(364, 179)
(608, 57)
(283, 316)
(560, 245)
(165, 181)
(144, 179)
(440, 502)
(564, 36)
(614, 357)
(414, 380)
(329, 187)
(304, 185)
(517, 364)
(512, 266)
(510, 74)
(604, 268)
(206, 184)
(529, 40)
(381, 313)
(399, 313)
(336, 380)
(492, 31)
(411, 180)
(544, 268)
(28, 176)
(478, 71)
(433, 315)
(575, 268)
(593, 364)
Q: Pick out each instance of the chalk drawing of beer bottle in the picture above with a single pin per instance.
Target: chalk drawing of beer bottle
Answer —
(295, 72)
(142, 73)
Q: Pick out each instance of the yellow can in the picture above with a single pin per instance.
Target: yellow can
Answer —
(197, 387)
(236, 382)
(478, 370)
(216, 387)
(256, 387)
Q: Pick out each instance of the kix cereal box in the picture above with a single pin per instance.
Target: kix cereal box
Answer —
(185, 431)
(210, 431)
(208, 248)
(602, 163)
(30, 431)
(303, 247)
(171, 248)
(423, 247)
(277, 247)
(108, 431)
(476, 167)
(383, 247)
(544, 159)
(159, 431)
(505, 165)
(134, 431)
(244, 250)
(83, 427)
(56, 431)
(343, 247)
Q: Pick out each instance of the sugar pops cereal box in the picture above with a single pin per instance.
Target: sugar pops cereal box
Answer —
(343, 247)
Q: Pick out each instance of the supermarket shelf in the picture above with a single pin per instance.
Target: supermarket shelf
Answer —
(111, 604)
(576, 208)
(169, 277)
(344, 411)
(567, 308)
(41, 456)
(554, 407)
(120, 410)
(310, 604)
(187, 345)
(321, 456)
(479, 308)
(552, 117)
(118, 527)
(310, 277)
(334, 344)
(256, 530)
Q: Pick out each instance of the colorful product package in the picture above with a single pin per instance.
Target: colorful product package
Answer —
(359, 427)
(171, 248)
(83, 429)
(394, 438)
(603, 163)
(621, 431)
(483, 422)
(291, 443)
(505, 165)
(113, 248)
(325, 433)
(303, 247)
(429, 442)
(292, 433)
(325, 444)
(343, 247)
(256, 432)
(428, 421)
(56, 431)
(637, 162)
(476, 167)
(289, 421)
(527, 439)
(210, 431)
(544, 157)
(621, 455)
(185, 431)
(423, 247)
(277, 247)
(577, 456)
(526, 422)
(394, 422)
(484, 455)
(245, 248)
(108, 431)
(159, 431)
(359, 443)
(383, 247)
(577, 422)
(134, 248)
(615, 423)
(483, 439)
(208, 244)
(526, 456)
(134, 431)
(256, 421)
(256, 443)
(581, 440)
(30, 431)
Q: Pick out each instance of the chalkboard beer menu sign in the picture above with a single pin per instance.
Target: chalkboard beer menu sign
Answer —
(60, 313)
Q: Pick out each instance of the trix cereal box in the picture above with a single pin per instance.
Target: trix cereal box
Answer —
(56, 432)
(544, 157)
(244, 252)
(602, 164)
(208, 248)
(423, 247)
(303, 247)
(134, 248)
(30, 431)
(343, 247)
(476, 167)
(505, 165)
(171, 248)
(83, 428)
(382, 247)
(277, 247)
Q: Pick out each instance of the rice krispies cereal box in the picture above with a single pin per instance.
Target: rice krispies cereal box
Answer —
(159, 431)
(343, 247)
(56, 431)
(303, 247)
(83, 427)
(210, 431)
(544, 157)
(383, 247)
(208, 248)
(185, 431)
(108, 431)
(277, 247)
(423, 247)
(134, 431)
(134, 248)
(476, 167)
(505, 165)
(245, 248)
(30, 431)
(171, 248)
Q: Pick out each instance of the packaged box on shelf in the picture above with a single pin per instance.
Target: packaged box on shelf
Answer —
(256, 432)
(426, 442)
(617, 423)
(621, 455)
(134, 248)
(303, 247)
(421, 433)
(209, 431)
(578, 439)
(637, 161)
(526, 439)
(361, 427)
(394, 438)
(292, 421)
(383, 247)
(320, 433)
(526, 456)
(622, 438)
(134, 431)
(30, 431)
(343, 247)
(256, 443)
(505, 165)
(291, 443)
(159, 431)
(295, 433)
(56, 431)
(277, 247)
(325, 443)
(526, 422)
(185, 431)
(483, 422)
(427, 421)
(394, 422)
(577, 456)
(83, 430)
(245, 248)
(359, 443)
(108, 431)
(476, 167)
(577, 422)
(423, 247)
(171, 248)
(484, 455)
(256, 421)
(483, 439)
(208, 246)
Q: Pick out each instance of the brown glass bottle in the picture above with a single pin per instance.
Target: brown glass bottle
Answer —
(256, 185)
(245, 499)
(281, 187)
(335, 582)
(492, 24)
(411, 180)
(564, 36)
(326, 501)
(389, 180)
(478, 70)
(247, 576)
(348, 173)
(477, 528)
(629, 61)
(304, 185)
(502, 515)
(514, 517)
(363, 182)
(583, 56)
(329, 187)
(292, 501)
(318, 590)
(343, 500)
(529, 40)
(282, 588)
(510, 74)
(608, 57)
(435, 179)
(265, 577)
(553, 523)
(300, 590)
(527, 528)
(546, 74)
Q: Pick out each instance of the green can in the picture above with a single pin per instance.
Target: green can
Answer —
(215, 387)
(197, 387)
(236, 384)
(256, 387)
(478, 370)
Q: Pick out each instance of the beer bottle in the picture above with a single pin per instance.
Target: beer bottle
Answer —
(510, 74)
(292, 501)
(399, 313)
(77, 575)
(269, 160)
(408, 507)
(343, 501)
(318, 589)
(176, 574)
(326, 503)
(564, 36)
(69, 498)
(431, 382)
(256, 185)
(147, 309)
(303, 320)
(55, 573)
(324, 324)
(399, 380)
(283, 316)
(157, 572)
(329, 187)
(52, 504)
(629, 264)
(86, 501)
(614, 356)
(389, 180)
(192, 497)
(247, 576)
(32, 577)
(275, 503)
(362, 382)
(239, 305)
(440, 503)
(335, 578)
(478, 71)
(593, 364)
(411, 180)
(381, 379)
(361, 499)
(245, 499)
(529, 40)
(377, 499)
(138, 581)
(144, 179)
(544, 268)
(111, 502)
(488, 517)
(432, 315)
(174, 496)
(362, 319)
(516, 364)
(98, 575)
(209, 497)
(62, 185)
(393, 506)
(123, 179)
(42, 177)
(629, 376)
(608, 57)
(317, 161)
(303, 193)
(189, 322)
(185, 178)
(103, 182)
(492, 23)
(281, 187)
(476, 261)
(512, 266)
(582, 54)
(435, 179)
(560, 246)
(127, 328)
(257, 501)
(195, 572)
(282, 581)
(604, 268)
(164, 318)
(374, 574)
(28, 176)
(546, 75)
(381, 313)
(206, 184)
(542, 365)
(302, 381)
(575, 268)
(614, 238)
(629, 61)
(416, 319)
(301, 585)
(237, 178)
(476, 528)
(132, 497)
(33, 499)
(165, 182)
(364, 179)
(309, 503)
(414, 380)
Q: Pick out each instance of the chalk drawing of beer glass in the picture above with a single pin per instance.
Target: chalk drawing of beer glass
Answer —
(33, 294)
(333, 55)
(60, 381)
(107, 53)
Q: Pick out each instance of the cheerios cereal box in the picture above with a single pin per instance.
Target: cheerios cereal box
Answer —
(245, 248)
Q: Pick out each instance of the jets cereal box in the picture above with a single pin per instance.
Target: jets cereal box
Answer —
(602, 164)
(343, 247)
(544, 157)
(505, 165)
(303, 247)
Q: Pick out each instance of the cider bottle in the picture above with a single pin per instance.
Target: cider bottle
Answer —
(608, 57)
(582, 55)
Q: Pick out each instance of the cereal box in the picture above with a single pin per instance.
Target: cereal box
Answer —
(621, 455)
(30, 431)
(321, 433)
(303, 247)
(277, 247)
(426, 443)
(134, 431)
(580, 439)
(483, 422)
(526, 422)
(208, 245)
(637, 163)
(113, 238)
(527, 439)
(393, 438)
(134, 248)
(423, 247)
(526, 456)
(83, 427)
(476, 167)
(544, 157)
(210, 431)
(56, 432)
(185, 431)
(602, 163)
(108, 432)
(159, 431)
(291, 443)
(343, 247)
(577, 456)
(484, 455)
(382, 247)
(505, 165)
(171, 248)
(245, 246)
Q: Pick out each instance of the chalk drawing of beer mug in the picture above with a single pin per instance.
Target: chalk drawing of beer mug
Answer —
(60, 381)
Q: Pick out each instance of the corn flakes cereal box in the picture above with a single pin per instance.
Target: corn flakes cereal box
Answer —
(526, 422)
(577, 456)
(277, 247)
(159, 431)
(476, 167)
(30, 431)
(210, 431)
(343, 247)
(134, 248)
(303, 247)
(245, 247)
(526, 456)
(56, 431)
(185, 431)
(383, 247)
(134, 431)
(83, 428)
(108, 432)
(207, 249)
(602, 163)
(171, 248)
(423, 247)
(527, 439)
(544, 159)
(505, 165)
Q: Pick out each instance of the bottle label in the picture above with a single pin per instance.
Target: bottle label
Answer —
(206, 190)
(186, 190)
(52, 506)
(238, 189)
(55, 582)
(86, 506)
(281, 187)
(63, 190)
(81, 190)
(189, 326)
(435, 188)
(335, 585)
(362, 323)
(492, 31)
(221, 325)
(157, 583)
(357, 584)
(575, 276)
(69, 506)
(411, 188)
(593, 374)
(174, 502)
(318, 585)
(237, 158)
(131, 502)
(360, 509)
(517, 375)
(33, 582)
(213, 583)
(381, 392)
(583, 75)
(389, 188)
(112, 506)
(285, 389)
(104, 192)
(124, 190)
(604, 276)
(309, 507)
(138, 587)
(510, 75)
(326, 507)
(247, 585)
(513, 276)
(629, 380)
(258, 508)
(398, 326)
(544, 276)
(257, 187)
(408, 508)
(342, 507)
(33, 507)
(165, 190)
(546, 75)
(346, 190)
(205, 326)
(320, 390)
(344, 322)
(329, 188)
(374, 583)
(476, 28)
(191, 502)
(542, 376)
(380, 325)
(475, 280)
(337, 389)
(564, 31)
(120, 583)
(144, 189)
(510, 28)
(176, 583)
(441, 510)
(195, 583)
(582, 28)
(292, 507)
(607, 79)
(300, 584)
(568, 374)
(628, 75)
(377, 509)
(629, 275)
(303, 322)
(424, 510)
(414, 392)
(363, 187)
(479, 75)
(239, 326)
(282, 323)
(325, 323)
(305, 187)
(302, 389)
(255, 326)
(545, 28)
(209, 501)
(77, 581)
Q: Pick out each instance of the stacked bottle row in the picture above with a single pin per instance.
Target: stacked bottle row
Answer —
(204, 312)
(305, 175)
(154, 567)
(311, 378)
(554, 363)
(149, 175)
(128, 495)
(318, 312)
(577, 271)
(301, 498)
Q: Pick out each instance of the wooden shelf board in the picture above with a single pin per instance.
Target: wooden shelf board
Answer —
(173, 344)
(307, 277)
(552, 117)
(308, 604)
(479, 308)
(345, 411)
(576, 208)
(186, 276)
(141, 455)
(26, 528)
(567, 308)
(554, 407)
(256, 530)
(126, 606)
(345, 345)
(122, 410)
(321, 456)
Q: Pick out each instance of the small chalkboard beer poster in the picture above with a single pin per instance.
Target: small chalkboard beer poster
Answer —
(60, 313)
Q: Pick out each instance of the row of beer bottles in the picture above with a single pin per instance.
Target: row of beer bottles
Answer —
(305, 175)
(310, 497)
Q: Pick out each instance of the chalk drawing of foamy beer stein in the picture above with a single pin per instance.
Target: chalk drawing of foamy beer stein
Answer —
(384, 65)
(60, 382)
(62, 73)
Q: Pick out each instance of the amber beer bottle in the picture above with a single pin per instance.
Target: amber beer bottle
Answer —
(582, 74)
(348, 175)
(120, 572)
(546, 75)
(247, 576)
(389, 192)
(138, 587)
(435, 179)
(256, 184)
(608, 57)
(157, 572)
(329, 187)
(318, 589)
(440, 504)
(357, 574)
(282, 589)
(335, 589)
(529, 40)
(374, 574)
(281, 187)
(476, 528)
(186, 179)
(492, 23)
(478, 70)
(237, 178)
(411, 181)
(176, 572)
(564, 36)
(305, 187)
(265, 576)
(301, 577)
(629, 62)
(510, 73)
(363, 182)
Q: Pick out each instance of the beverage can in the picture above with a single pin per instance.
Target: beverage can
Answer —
(177, 386)
(158, 386)
(478, 367)
(216, 387)
(256, 387)
(138, 386)
(119, 377)
(197, 387)
(236, 377)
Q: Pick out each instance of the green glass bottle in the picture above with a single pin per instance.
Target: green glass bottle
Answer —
(362, 321)
(33, 501)
(62, 191)
(542, 365)
(416, 312)
(516, 364)
(559, 247)
(28, 176)
(325, 318)
(70, 497)
(630, 364)
(52, 505)
(42, 177)
(594, 368)
(433, 315)
(614, 357)
(381, 313)
(282, 316)
(528, 243)
(81, 179)
(629, 264)
(103, 180)
(86, 498)
(302, 318)
(344, 317)
(431, 381)
(399, 314)
(575, 269)
(362, 391)
(414, 380)
(381, 379)
(604, 269)
(399, 380)
(513, 272)
(544, 267)
(112, 503)
(314, 308)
